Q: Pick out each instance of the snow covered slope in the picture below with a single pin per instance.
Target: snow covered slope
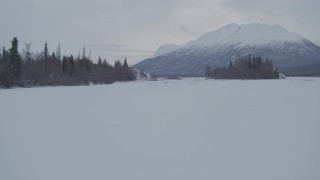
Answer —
(246, 34)
(290, 52)
(169, 129)
(165, 49)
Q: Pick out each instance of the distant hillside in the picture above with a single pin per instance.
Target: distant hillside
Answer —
(290, 52)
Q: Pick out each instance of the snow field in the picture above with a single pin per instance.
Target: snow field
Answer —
(166, 129)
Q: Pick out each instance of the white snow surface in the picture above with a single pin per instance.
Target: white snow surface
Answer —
(245, 34)
(169, 129)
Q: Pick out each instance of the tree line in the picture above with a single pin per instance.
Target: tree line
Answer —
(247, 67)
(28, 69)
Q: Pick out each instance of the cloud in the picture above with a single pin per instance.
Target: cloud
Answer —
(117, 48)
(298, 16)
(114, 52)
(139, 27)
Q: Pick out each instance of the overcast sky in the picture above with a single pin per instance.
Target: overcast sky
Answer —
(115, 29)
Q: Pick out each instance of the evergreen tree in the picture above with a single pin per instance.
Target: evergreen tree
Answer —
(117, 65)
(53, 56)
(47, 63)
(46, 51)
(5, 55)
(125, 64)
(71, 65)
(247, 67)
(64, 65)
(15, 59)
(99, 61)
(84, 52)
(46, 69)
(105, 63)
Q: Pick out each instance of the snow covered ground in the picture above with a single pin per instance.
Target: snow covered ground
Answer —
(191, 129)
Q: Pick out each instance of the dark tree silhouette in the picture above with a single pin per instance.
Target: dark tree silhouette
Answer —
(247, 67)
(15, 60)
(46, 51)
(99, 61)
(125, 64)
(43, 69)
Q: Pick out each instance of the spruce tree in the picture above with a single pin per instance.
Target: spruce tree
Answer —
(53, 56)
(5, 55)
(64, 65)
(99, 61)
(46, 51)
(125, 64)
(117, 65)
(71, 65)
(15, 59)
(105, 63)
(84, 56)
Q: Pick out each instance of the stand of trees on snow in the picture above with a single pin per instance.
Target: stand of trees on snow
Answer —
(44, 69)
(247, 67)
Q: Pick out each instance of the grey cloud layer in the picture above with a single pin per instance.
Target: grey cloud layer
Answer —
(143, 25)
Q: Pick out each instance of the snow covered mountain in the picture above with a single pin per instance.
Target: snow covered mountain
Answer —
(290, 52)
(166, 49)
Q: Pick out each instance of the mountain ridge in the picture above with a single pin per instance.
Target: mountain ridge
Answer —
(166, 48)
(216, 48)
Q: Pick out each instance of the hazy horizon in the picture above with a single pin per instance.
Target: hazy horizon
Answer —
(135, 29)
